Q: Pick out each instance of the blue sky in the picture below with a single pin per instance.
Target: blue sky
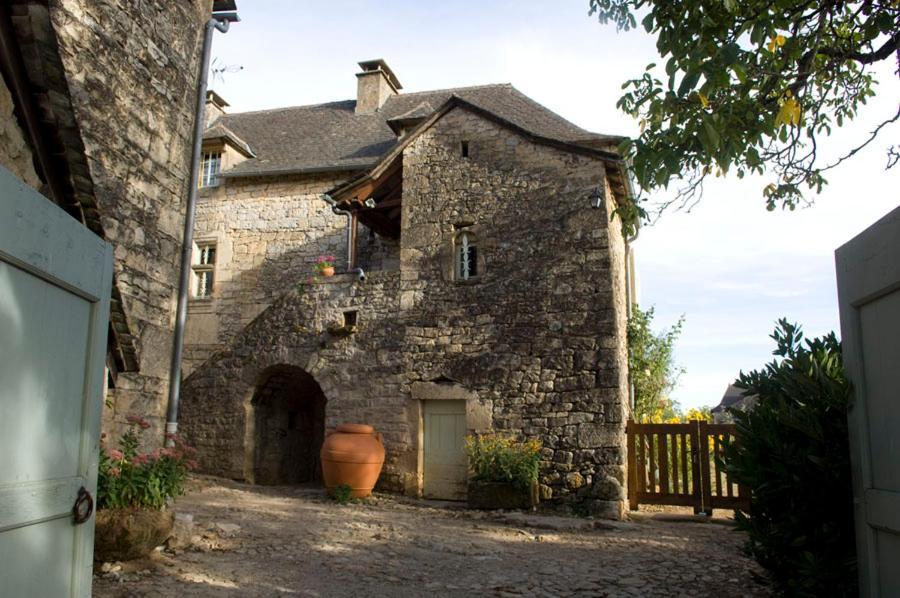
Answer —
(729, 266)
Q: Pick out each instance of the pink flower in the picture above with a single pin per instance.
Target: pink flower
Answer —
(116, 454)
(115, 472)
(138, 421)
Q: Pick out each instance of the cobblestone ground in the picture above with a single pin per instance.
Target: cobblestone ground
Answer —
(290, 541)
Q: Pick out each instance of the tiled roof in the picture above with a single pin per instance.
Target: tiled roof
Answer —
(333, 137)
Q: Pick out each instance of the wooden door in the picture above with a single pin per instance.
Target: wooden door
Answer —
(446, 465)
(55, 278)
(868, 272)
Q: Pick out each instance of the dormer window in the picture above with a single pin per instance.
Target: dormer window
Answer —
(210, 169)
(466, 256)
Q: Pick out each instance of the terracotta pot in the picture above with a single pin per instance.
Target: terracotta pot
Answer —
(126, 534)
(352, 455)
(329, 271)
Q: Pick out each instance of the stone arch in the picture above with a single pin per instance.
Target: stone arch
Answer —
(285, 427)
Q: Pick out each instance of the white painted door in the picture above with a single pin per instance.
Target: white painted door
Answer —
(868, 272)
(55, 278)
(446, 465)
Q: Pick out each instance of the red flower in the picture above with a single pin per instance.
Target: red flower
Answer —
(116, 454)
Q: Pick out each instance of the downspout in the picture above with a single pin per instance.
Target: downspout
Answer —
(188, 239)
(351, 266)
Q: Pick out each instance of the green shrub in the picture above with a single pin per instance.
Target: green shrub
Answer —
(791, 451)
(342, 494)
(129, 478)
(499, 458)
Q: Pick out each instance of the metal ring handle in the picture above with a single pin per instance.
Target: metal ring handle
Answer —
(84, 506)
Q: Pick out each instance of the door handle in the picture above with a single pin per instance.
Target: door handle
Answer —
(84, 506)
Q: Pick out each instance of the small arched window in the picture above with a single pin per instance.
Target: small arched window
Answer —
(466, 256)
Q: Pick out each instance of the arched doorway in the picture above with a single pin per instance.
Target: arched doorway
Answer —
(288, 426)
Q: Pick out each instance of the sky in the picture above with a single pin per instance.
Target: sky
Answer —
(729, 266)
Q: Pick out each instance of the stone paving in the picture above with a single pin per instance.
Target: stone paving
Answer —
(293, 541)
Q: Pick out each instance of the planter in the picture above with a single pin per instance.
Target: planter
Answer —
(326, 272)
(352, 455)
(502, 495)
(126, 534)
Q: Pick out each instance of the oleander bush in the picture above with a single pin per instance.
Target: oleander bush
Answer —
(128, 478)
(792, 451)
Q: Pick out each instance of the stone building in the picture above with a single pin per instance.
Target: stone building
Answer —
(96, 113)
(481, 286)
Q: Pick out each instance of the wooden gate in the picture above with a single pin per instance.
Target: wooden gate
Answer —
(55, 278)
(676, 464)
(868, 274)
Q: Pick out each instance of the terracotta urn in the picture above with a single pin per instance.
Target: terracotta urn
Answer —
(352, 455)
(329, 271)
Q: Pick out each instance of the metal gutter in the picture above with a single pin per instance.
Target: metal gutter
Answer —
(220, 21)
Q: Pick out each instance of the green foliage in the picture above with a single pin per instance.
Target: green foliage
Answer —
(651, 362)
(342, 494)
(129, 478)
(792, 451)
(750, 86)
(499, 458)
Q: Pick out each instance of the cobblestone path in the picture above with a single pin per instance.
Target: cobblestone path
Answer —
(289, 541)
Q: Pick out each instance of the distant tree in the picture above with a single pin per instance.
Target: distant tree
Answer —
(651, 363)
(751, 86)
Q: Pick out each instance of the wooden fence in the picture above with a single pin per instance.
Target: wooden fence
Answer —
(675, 464)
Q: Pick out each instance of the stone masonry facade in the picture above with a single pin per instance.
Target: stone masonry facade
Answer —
(134, 102)
(535, 344)
(116, 83)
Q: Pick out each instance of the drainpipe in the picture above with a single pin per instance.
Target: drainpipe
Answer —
(220, 21)
(331, 202)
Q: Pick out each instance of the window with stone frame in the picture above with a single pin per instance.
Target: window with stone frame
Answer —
(204, 270)
(210, 169)
(465, 255)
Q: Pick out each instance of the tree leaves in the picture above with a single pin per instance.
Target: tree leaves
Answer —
(770, 77)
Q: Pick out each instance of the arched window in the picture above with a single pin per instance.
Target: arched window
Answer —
(466, 256)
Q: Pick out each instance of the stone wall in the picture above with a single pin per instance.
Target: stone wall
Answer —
(541, 334)
(132, 68)
(359, 371)
(268, 233)
(15, 153)
(535, 345)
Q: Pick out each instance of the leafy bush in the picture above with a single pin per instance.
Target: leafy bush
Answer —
(500, 458)
(792, 452)
(129, 478)
(342, 494)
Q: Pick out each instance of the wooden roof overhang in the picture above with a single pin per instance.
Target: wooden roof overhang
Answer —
(384, 182)
(375, 199)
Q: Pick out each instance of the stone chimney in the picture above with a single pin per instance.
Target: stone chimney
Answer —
(375, 84)
(215, 107)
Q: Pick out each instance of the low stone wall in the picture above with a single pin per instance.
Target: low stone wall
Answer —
(359, 371)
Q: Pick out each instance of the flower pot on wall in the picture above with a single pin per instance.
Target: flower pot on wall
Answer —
(352, 455)
(502, 495)
(326, 272)
(127, 534)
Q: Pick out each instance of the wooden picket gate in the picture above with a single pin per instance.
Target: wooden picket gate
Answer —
(675, 464)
